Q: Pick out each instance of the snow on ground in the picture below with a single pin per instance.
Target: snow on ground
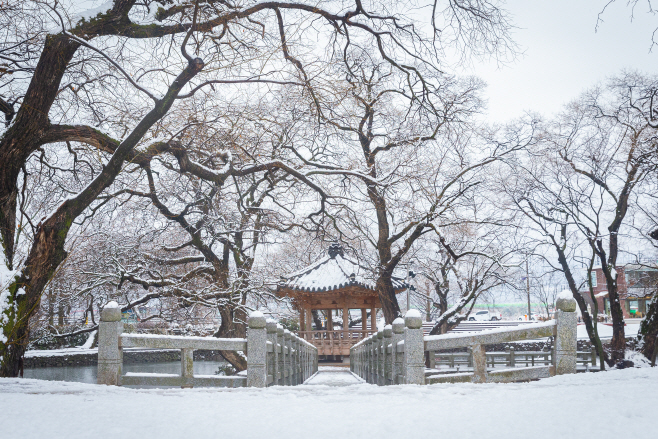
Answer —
(615, 404)
(605, 331)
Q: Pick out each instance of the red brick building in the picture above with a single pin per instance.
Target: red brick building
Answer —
(636, 286)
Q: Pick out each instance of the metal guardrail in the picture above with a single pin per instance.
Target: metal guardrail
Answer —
(274, 356)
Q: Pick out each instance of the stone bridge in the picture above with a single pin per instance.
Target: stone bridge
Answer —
(398, 354)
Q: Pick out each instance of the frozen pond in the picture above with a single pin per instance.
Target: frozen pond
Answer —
(87, 374)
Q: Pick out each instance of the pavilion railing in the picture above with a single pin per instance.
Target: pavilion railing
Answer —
(274, 356)
(335, 342)
(396, 355)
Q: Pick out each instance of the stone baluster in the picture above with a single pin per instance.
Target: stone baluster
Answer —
(380, 359)
(280, 351)
(287, 350)
(397, 335)
(295, 361)
(388, 357)
(592, 356)
(110, 355)
(479, 356)
(373, 359)
(272, 357)
(565, 336)
(187, 368)
(256, 350)
(414, 348)
(366, 360)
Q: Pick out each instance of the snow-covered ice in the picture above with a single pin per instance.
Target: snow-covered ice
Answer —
(614, 404)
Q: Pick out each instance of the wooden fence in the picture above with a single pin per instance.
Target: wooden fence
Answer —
(274, 356)
(396, 355)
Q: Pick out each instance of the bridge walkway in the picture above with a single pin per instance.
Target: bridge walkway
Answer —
(334, 377)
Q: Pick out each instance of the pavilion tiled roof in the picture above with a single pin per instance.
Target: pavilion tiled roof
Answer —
(334, 272)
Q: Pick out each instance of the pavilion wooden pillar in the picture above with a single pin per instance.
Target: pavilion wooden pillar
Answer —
(309, 319)
(364, 319)
(302, 318)
(330, 320)
(373, 319)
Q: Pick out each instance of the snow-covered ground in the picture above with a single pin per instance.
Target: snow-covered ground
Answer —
(615, 404)
(605, 331)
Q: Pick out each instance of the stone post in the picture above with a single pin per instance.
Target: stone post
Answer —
(479, 363)
(256, 350)
(414, 348)
(397, 336)
(565, 335)
(187, 368)
(110, 356)
(593, 356)
(380, 358)
(287, 370)
(280, 352)
(272, 357)
(294, 360)
(388, 358)
(368, 359)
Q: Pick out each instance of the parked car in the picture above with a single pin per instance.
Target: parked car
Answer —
(485, 316)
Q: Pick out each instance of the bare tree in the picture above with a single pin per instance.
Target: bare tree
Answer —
(95, 75)
(580, 178)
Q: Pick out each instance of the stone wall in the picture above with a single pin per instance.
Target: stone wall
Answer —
(129, 357)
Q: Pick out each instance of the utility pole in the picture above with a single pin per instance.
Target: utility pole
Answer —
(527, 283)
(410, 274)
(428, 309)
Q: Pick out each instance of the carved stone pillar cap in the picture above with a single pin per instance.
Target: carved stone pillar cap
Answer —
(380, 334)
(388, 331)
(271, 326)
(412, 319)
(111, 312)
(279, 329)
(565, 301)
(398, 326)
(257, 320)
(286, 333)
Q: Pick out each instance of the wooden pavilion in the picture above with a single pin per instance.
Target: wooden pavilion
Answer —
(330, 284)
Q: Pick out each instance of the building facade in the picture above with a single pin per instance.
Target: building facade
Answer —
(636, 285)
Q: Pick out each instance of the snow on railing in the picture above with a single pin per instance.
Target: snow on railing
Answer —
(396, 355)
(274, 356)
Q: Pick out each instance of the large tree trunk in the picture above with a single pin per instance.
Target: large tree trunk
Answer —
(648, 333)
(47, 250)
(617, 347)
(387, 298)
(29, 126)
(316, 320)
(592, 332)
(230, 328)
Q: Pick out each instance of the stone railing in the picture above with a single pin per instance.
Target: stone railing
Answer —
(509, 358)
(396, 355)
(274, 356)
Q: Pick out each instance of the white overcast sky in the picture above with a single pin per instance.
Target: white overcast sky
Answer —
(564, 54)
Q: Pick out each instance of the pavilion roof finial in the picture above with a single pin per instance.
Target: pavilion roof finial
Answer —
(335, 249)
